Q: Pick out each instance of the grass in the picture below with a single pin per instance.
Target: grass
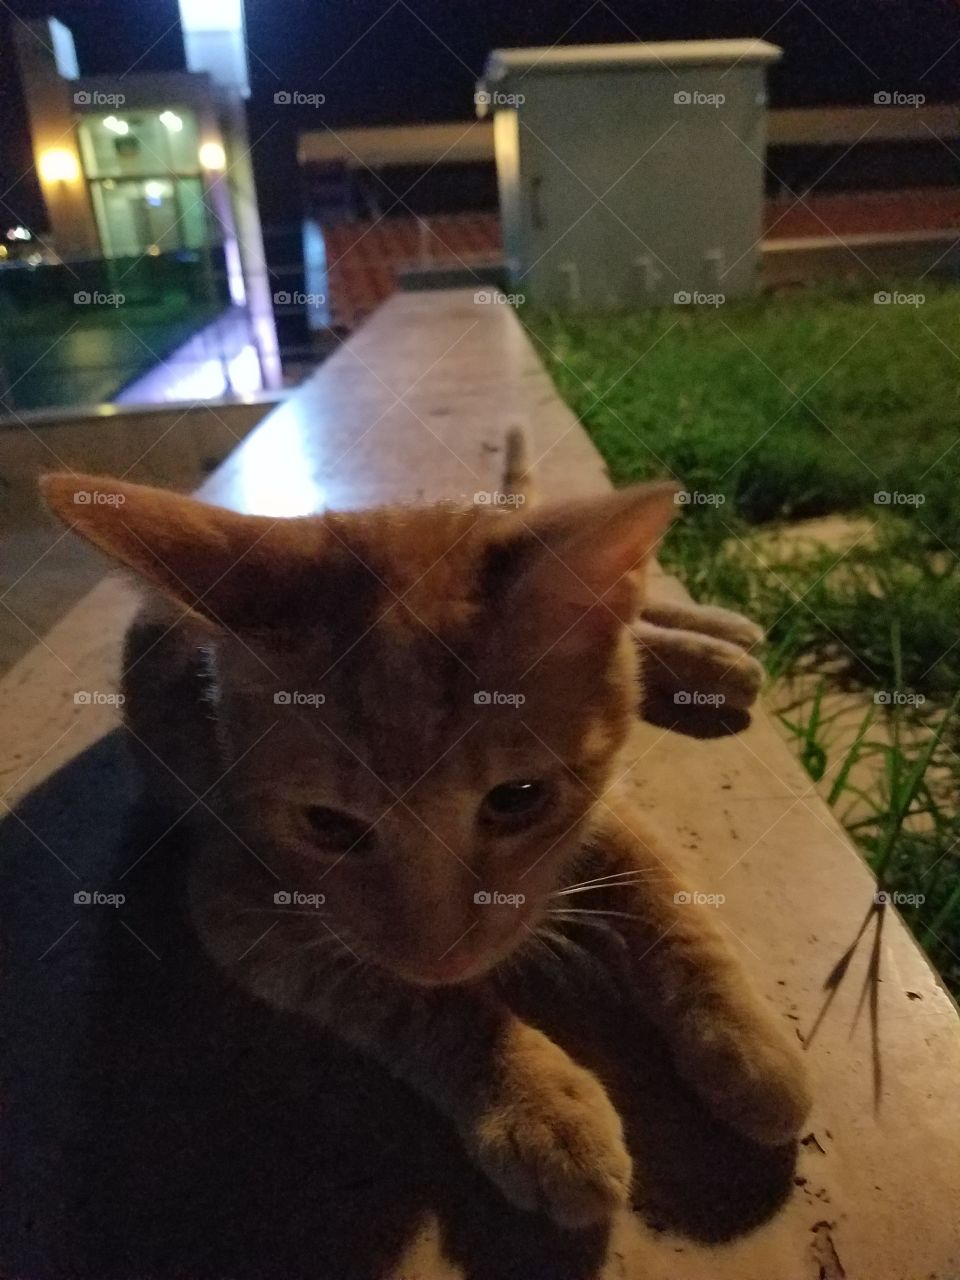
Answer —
(775, 410)
(789, 408)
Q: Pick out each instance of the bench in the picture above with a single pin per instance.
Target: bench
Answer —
(415, 407)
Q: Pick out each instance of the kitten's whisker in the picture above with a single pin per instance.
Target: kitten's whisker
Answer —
(592, 888)
(613, 877)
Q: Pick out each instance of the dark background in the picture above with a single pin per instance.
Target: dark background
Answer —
(390, 61)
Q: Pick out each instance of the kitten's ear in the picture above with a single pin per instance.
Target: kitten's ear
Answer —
(582, 580)
(215, 562)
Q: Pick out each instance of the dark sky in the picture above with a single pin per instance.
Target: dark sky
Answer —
(389, 61)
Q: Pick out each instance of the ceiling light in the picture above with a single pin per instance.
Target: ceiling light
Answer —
(212, 156)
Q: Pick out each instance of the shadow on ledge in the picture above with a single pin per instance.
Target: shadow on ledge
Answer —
(693, 720)
(157, 1122)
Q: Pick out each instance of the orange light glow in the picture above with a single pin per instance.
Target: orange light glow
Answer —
(58, 165)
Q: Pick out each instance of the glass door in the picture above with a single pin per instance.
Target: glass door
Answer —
(152, 215)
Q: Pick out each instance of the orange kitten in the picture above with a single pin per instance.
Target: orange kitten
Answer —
(389, 729)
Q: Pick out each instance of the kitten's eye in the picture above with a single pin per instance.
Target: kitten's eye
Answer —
(339, 832)
(514, 804)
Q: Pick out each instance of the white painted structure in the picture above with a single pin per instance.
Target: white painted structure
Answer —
(630, 173)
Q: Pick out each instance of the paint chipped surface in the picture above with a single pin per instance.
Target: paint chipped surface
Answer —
(825, 1252)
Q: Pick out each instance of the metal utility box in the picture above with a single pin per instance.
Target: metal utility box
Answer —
(630, 173)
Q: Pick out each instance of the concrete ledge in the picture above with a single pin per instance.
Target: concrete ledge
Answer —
(173, 445)
(415, 407)
(885, 256)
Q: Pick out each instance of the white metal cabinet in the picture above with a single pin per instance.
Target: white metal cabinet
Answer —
(630, 173)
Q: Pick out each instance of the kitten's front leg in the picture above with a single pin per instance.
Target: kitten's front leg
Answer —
(725, 1043)
(541, 1127)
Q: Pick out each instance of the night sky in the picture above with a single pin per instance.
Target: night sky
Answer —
(394, 61)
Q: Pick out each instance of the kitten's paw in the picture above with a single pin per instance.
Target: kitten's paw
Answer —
(555, 1144)
(753, 1078)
